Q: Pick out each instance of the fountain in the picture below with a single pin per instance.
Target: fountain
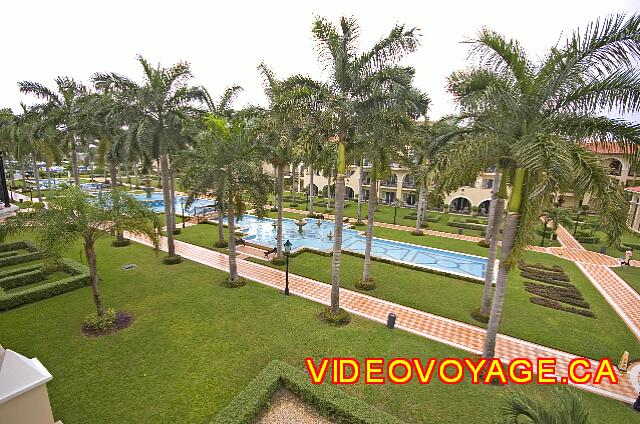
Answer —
(300, 223)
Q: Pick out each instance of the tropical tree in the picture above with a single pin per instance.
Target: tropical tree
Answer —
(227, 160)
(62, 110)
(354, 80)
(7, 120)
(159, 110)
(73, 216)
(569, 408)
(536, 116)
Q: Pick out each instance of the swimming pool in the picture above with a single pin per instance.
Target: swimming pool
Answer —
(315, 235)
(156, 203)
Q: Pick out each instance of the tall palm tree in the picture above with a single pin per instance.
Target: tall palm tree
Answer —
(62, 108)
(354, 80)
(71, 216)
(160, 108)
(227, 159)
(536, 115)
(7, 120)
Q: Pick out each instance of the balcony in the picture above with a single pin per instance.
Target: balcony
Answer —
(389, 183)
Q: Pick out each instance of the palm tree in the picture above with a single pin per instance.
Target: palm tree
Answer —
(354, 81)
(160, 108)
(7, 120)
(535, 117)
(72, 216)
(227, 159)
(569, 408)
(62, 109)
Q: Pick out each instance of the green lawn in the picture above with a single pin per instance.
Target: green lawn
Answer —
(194, 345)
(630, 275)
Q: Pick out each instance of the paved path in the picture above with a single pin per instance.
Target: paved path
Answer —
(461, 335)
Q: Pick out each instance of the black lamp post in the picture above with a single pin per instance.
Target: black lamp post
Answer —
(287, 250)
(544, 228)
(575, 229)
(395, 211)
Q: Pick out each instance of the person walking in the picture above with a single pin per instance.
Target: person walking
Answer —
(627, 257)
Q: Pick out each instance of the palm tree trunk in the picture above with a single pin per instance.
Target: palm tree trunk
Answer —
(128, 170)
(36, 175)
(337, 238)
(508, 240)
(293, 184)
(135, 174)
(10, 168)
(361, 177)
(173, 196)
(421, 210)
(24, 174)
(311, 186)
(113, 173)
(494, 225)
(166, 195)
(74, 163)
(48, 173)
(371, 210)
(158, 167)
(329, 190)
(233, 265)
(280, 177)
(220, 220)
(492, 208)
(90, 253)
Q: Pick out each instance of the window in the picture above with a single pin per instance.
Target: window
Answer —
(487, 183)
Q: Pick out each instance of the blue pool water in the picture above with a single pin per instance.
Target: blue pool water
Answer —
(315, 236)
(156, 202)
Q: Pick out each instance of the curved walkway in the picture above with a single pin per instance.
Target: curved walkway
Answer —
(454, 333)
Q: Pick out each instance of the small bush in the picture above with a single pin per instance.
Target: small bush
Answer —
(337, 320)
(569, 295)
(479, 316)
(221, 243)
(417, 233)
(120, 243)
(172, 260)
(177, 231)
(483, 243)
(365, 285)
(432, 218)
(465, 225)
(240, 282)
(100, 324)
(278, 261)
(545, 278)
(588, 239)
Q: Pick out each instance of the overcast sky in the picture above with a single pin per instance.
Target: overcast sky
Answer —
(225, 41)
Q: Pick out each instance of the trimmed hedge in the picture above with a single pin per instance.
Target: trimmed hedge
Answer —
(328, 400)
(22, 279)
(32, 255)
(554, 304)
(20, 270)
(466, 225)
(625, 245)
(588, 239)
(569, 295)
(8, 254)
(79, 278)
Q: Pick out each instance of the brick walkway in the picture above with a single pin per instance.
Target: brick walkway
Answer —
(461, 335)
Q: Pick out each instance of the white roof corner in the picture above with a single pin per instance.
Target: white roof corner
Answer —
(19, 374)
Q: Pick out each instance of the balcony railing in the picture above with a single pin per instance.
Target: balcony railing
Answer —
(408, 184)
(389, 183)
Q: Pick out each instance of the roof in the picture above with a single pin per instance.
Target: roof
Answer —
(633, 189)
(20, 374)
(607, 147)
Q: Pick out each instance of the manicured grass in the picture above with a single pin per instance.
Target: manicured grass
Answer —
(628, 236)
(596, 338)
(194, 345)
(630, 275)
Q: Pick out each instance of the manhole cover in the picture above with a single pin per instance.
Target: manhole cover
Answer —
(129, 266)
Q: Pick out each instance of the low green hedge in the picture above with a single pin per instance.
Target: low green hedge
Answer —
(588, 239)
(20, 270)
(22, 279)
(8, 254)
(466, 225)
(328, 400)
(570, 295)
(32, 254)
(625, 245)
(554, 304)
(79, 278)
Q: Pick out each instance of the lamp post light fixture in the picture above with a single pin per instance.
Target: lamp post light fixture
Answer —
(287, 250)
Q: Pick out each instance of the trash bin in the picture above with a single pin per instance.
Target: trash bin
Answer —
(460, 231)
(603, 250)
(391, 321)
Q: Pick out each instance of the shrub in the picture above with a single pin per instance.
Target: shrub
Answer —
(477, 221)
(79, 278)
(626, 245)
(22, 279)
(328, 400)
(483, 243)
(554, 268)
(468, 226)
(545, 278)
(20, 270)
(8, 254)
(479, 316)
(432, 218)
(100, 324)
(412, 215)
(221, 243)
(417, 233)
(278, 261)
(176, 231)
(120, 243)
(554, 304)
(569, 295)
(341, 318)
(365, 285)
(240, 282)
(589, 239)
(172, 260)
